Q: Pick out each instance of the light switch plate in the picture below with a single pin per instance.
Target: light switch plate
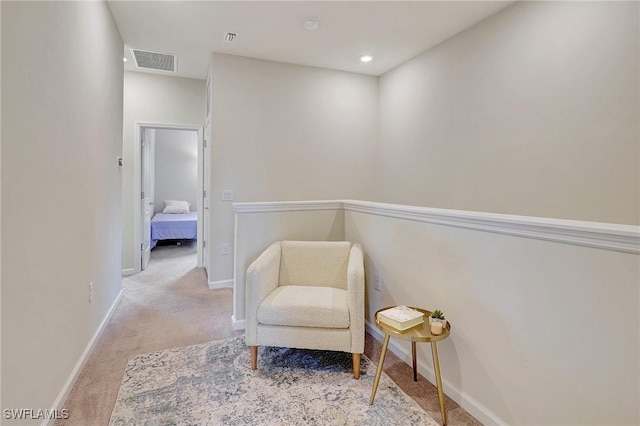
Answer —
(227, 195)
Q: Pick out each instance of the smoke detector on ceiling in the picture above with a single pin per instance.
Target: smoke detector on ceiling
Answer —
(154, 60)
(311, 24)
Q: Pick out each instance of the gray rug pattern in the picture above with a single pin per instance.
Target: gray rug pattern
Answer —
(213, 384)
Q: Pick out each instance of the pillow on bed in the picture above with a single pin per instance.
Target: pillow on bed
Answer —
(176, 207)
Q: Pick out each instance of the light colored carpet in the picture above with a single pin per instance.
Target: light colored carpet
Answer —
(213, 384)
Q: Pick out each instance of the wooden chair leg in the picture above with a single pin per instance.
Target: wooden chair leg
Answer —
(254, 357)
(356, 366)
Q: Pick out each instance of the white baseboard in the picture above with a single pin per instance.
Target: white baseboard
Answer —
(58, 404)
(472, 406)
(220, 284)
(237, 324)
(128, 271)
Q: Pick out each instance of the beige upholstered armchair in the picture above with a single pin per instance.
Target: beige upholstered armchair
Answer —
(307, 295)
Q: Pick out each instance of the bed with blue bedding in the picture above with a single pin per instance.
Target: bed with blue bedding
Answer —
(182, 226)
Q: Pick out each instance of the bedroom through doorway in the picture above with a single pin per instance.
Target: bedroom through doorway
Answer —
(172, 194)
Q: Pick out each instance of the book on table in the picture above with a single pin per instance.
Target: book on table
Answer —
(401, 317)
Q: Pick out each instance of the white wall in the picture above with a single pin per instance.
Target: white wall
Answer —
(61, 223)
(154, 99)
(533, 111)
(176, 167)
(0, 201)
(528, 343)
(286, 132)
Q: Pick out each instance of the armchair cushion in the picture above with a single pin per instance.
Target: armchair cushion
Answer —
(322, 263)
(305, 306)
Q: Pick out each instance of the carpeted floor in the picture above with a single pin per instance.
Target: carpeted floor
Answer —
(169, 306)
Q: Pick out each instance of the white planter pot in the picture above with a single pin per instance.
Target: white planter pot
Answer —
(441, 321)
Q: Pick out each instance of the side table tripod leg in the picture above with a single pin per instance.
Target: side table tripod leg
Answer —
(436, 366)
(379, 369)
(415, 363)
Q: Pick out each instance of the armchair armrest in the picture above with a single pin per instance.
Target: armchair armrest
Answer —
(355, 297)
(262, 278)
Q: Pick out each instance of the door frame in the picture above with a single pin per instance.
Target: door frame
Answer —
(205, 198)
(137, 185)
(147, 152)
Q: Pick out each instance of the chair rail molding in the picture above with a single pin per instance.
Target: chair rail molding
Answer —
(287, 206)
(608, 236)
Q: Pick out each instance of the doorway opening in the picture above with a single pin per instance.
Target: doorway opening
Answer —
(172, 192)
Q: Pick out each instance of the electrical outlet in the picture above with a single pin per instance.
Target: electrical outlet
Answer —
(225, 249)
(91, 292)
(227, 195)
(377, 282)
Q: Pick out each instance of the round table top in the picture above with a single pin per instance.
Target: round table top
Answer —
(419, 333)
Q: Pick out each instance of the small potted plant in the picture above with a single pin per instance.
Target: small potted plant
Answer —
(437, 322)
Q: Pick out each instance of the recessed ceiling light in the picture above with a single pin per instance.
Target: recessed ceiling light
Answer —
(311, 24)
(366, 58)
(124, 59)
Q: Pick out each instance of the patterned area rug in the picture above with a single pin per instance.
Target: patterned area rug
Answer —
(213, 384)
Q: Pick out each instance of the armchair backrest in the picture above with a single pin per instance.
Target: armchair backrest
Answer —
(316, 263)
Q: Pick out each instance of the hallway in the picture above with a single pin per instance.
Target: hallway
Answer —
(167, 305)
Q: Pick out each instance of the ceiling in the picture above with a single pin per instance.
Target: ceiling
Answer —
(391, 31)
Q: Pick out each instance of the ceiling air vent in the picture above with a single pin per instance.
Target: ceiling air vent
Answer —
(154, 60)
(230, 37)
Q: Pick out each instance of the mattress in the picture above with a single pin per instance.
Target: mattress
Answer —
(173, 227)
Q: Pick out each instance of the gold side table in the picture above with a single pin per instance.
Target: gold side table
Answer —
(419, 333)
